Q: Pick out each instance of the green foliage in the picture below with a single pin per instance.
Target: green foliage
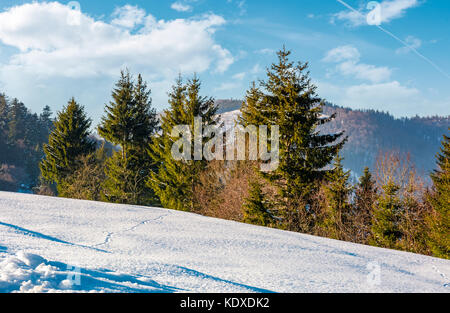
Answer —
(125, 182)
(22, 135)
(67, 143)
(174, 181)
(386, 218)
(439, 239)
(337, 222)
(257, 209)
(288, 99)
(130, 122)
(366, 194)
(87, 180)
(118, 124)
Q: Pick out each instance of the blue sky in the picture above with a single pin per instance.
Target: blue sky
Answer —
(50, 51)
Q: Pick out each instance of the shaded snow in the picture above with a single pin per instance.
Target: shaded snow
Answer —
(45, 242)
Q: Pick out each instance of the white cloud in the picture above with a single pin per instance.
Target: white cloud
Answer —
(256, 69)
(227, 86)
(391, 97)
(413, 43)
(266, 51)
(342, 53)
(180, 7)
(53, 49)
(389, 10)
(378, 93)
(239, 76)
(348, 58)
(128, 16)
(387, 94)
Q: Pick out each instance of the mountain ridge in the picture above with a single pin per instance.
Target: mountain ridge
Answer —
(372, 132)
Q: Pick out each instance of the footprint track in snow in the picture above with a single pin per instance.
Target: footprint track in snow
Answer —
(110, 234)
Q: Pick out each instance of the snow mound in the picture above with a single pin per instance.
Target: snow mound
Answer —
(29, 273)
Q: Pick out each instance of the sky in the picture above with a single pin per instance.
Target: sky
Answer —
(390, 55)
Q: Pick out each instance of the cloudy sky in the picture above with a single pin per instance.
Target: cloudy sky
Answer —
(390, 55)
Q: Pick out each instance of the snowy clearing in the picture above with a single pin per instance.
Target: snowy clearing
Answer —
(62, 245)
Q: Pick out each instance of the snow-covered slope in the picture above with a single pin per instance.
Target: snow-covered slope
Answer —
(45, 242)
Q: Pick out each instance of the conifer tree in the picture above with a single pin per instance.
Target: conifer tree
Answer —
(288, 99)
(337, 193)
(365, 197)
(4, 109)
(174, 181)
(257, 209)
(386, 218)
(439, 239)
(130, 122)
(87, 180)
(17, 119)
(68, 141)
(170, 179)
(118, 124)
(46, 121)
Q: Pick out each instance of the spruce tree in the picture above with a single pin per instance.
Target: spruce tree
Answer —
(87, 180)
(439, 239)
(174, 181)
(257, 209)
(288, 99)
(4, 109)
(386, 218)
(365, 197)
(67, 143)
(338, 209)
(46, 121)
(130, 122)
(118, 124)
(17, 119)
(169, 180)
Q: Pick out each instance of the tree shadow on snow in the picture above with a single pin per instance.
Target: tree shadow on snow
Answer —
(109, 281)
(31, 233)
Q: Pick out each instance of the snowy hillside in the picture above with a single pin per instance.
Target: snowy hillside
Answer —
(44, 241)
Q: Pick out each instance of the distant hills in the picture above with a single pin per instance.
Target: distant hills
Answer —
(371, 132)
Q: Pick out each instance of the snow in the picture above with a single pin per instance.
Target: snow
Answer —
(63, 245)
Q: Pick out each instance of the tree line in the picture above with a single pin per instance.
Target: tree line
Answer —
(309, 192)
(22, 135)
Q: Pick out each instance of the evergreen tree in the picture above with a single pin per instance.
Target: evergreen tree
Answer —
(288, 99)
(175, 180)
(412, 220)
(439, 239)
(68, 141)
(386, 218)
(87, 180)
(46, 121)
(365, 197)
(4, 113)
(118, 124)
(338, 209)
(254, 109)
(17, 120)
(257, 209)
(145, 122)
(131, 123)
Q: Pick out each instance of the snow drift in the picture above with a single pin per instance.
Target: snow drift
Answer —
(63, 245)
